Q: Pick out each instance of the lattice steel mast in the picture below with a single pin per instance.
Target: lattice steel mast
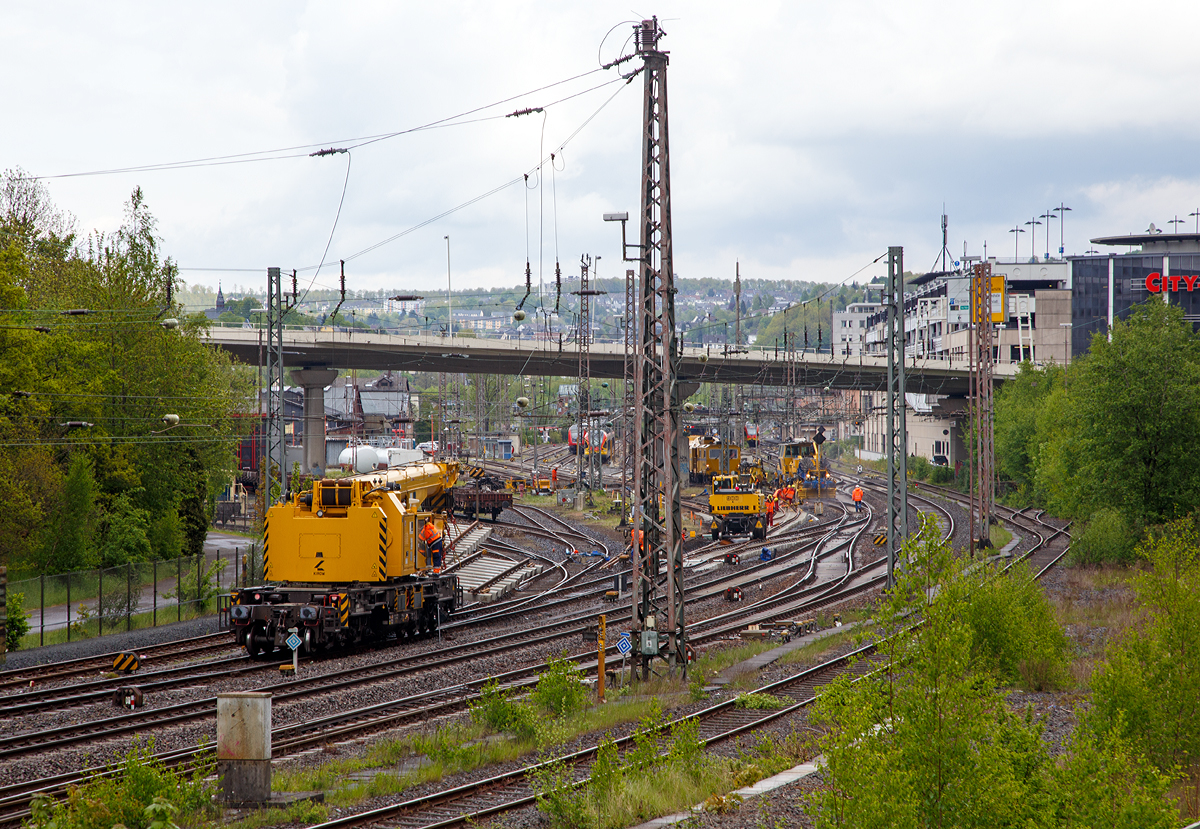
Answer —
(656, 465)
(982, 365)
(275, 462)
(897, 528)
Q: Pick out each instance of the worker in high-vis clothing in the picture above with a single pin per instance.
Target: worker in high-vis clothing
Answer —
(432, 537)
(857, 495)
(769, 507)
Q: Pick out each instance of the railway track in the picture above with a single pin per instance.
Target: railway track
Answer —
(357, 723)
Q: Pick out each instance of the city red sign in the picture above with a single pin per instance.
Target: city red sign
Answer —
(1157, 283)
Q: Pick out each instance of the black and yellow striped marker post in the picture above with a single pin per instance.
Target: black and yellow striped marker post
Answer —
(127, 662)
(881, 539)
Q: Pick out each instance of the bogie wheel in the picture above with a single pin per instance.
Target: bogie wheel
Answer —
(256, 641)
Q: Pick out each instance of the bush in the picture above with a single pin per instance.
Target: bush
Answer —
(942, 475)
(1108, 538)
(139, 796)
(560, 689)
(495, 710)
(919, 467)
(18, 621)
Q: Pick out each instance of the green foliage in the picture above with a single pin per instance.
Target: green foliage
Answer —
(67, 545)
(1107, 538)
(928, 740)
(1103, 781)
(114, 368)
(1149, 689)
(760, 701)
(143, 794)
(499, 712)
(125, 539)
(1016, 426)
(560, 689)
(1014, 633)
(648, 737)
(18, 621)
(1120, 433)
(564, 803)
(200, 593)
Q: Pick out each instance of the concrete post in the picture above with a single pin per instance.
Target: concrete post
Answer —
(314, 381)
(244, 746)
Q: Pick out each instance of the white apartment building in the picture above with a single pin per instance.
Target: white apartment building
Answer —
(850, 328)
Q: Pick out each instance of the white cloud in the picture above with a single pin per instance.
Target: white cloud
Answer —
(805, 137)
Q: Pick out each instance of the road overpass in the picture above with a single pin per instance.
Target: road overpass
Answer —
(360, 349)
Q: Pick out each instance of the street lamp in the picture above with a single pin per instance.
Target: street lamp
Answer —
(1062, 211)
(1016, 241)
(1177, 222)
(1048, 215)
(1033, 223)
(1197, 215)
(449, 307)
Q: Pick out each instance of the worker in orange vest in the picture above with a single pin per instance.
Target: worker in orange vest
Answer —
(554, 479)
(770, 507)
(432, 537)
(857, 495)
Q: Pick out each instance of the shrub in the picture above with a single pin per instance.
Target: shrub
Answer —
(495, 710)
(564, 803)
(142, 795)
(560, 689)
(1108, 538)
(18, 621)
(919, 467)
(756, 700)
(942, 475)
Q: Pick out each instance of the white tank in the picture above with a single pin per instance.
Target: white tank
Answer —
(359, 458)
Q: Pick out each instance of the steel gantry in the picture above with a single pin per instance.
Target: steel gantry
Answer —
(658, 530)
(897, 449)
(982, 386)
(274, 463)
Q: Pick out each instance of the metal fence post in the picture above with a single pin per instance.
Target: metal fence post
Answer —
(128, 596)
(42, 605)
(179, 589)
(68, 607)
(154, 576)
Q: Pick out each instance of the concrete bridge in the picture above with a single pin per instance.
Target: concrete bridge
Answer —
(359, 349)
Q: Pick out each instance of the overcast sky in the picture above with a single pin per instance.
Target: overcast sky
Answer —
(805, 137)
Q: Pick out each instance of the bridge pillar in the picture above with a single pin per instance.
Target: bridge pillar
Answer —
(314, 381)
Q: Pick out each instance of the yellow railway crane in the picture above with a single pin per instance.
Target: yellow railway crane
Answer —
(343, 563)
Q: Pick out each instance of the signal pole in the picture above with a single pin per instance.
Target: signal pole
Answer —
(656, 466)
(897, 527)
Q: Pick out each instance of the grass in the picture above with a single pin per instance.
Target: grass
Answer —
(1113, 613)
(90, 628)
(1000, 536)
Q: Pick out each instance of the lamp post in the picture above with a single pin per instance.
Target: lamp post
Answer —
(1062, 211)
(1197, 215)
(449, 307)
(1066, 327)
(1048, 215)
(1016, 241)
(1177, 222)
(1033, 223)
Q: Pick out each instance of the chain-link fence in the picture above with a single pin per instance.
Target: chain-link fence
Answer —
(86, 603)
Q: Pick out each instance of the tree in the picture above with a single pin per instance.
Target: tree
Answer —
(1016, 432)
(928, 740)
(1132, 421)
(1148, 691)
(67, 541)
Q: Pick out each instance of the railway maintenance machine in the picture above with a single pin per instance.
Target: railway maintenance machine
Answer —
(343, 563)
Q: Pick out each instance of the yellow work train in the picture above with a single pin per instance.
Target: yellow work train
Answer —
(800, 465)
(343, 562)
(708, 456)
